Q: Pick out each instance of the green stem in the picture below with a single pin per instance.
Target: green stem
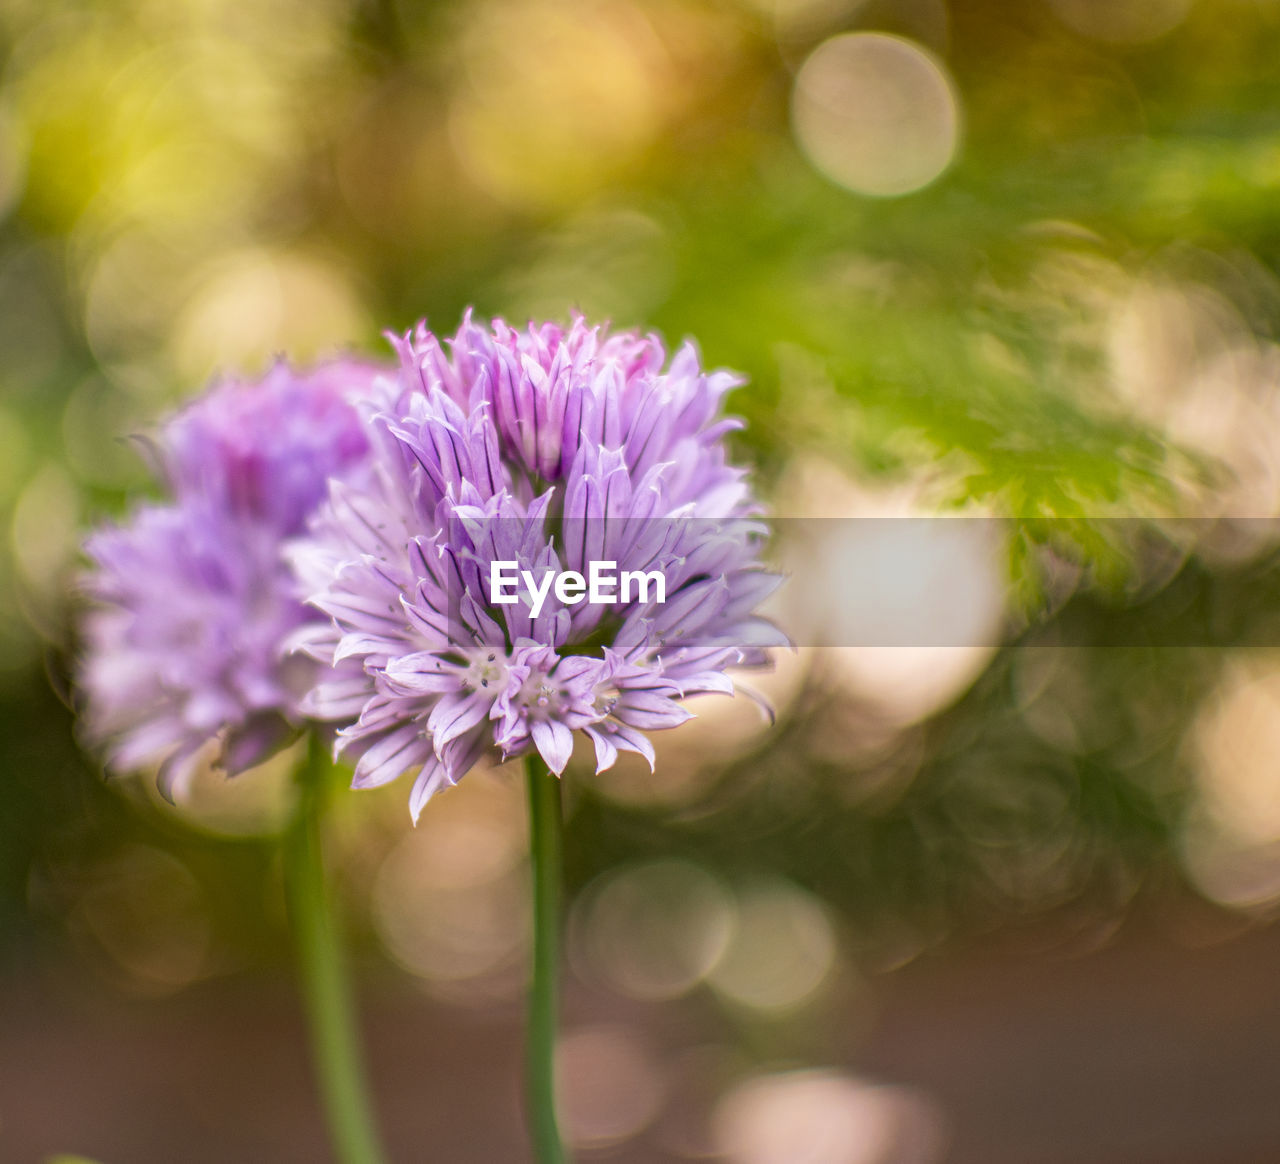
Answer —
(325, 988)
(544, 845)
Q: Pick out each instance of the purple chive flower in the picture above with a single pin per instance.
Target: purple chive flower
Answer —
(550, 448)
(192, 598)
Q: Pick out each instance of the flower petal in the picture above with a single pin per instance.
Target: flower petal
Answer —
(554, 742)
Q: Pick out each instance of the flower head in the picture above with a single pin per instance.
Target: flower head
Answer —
(192, 598)
(545, 450)
(262, 452)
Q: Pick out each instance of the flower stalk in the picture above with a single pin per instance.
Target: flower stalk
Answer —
(545, 853)
(326, 989)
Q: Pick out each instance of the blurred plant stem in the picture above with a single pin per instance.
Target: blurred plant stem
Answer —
(322, 969)
(540, 1045)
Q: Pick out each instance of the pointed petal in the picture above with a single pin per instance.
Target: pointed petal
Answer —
(606, 753)
(650, 712)
(431, 779)
(176, 773)
(421, 673)
(554, 742)
(249, 745)
(391, 756)
(455, 714)
(630, 740)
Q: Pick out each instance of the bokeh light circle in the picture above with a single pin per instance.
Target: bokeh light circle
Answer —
(653, 930)
(781, 951)
(1122, 21)
(609, 1086)
(826, 1117)
(876, 114)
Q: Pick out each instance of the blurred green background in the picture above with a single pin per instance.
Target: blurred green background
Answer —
(1016, 260)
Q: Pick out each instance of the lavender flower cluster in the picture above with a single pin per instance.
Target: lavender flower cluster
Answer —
(325, 553)
(192, 599)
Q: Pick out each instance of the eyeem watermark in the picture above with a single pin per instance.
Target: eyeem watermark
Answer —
(602, 585)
